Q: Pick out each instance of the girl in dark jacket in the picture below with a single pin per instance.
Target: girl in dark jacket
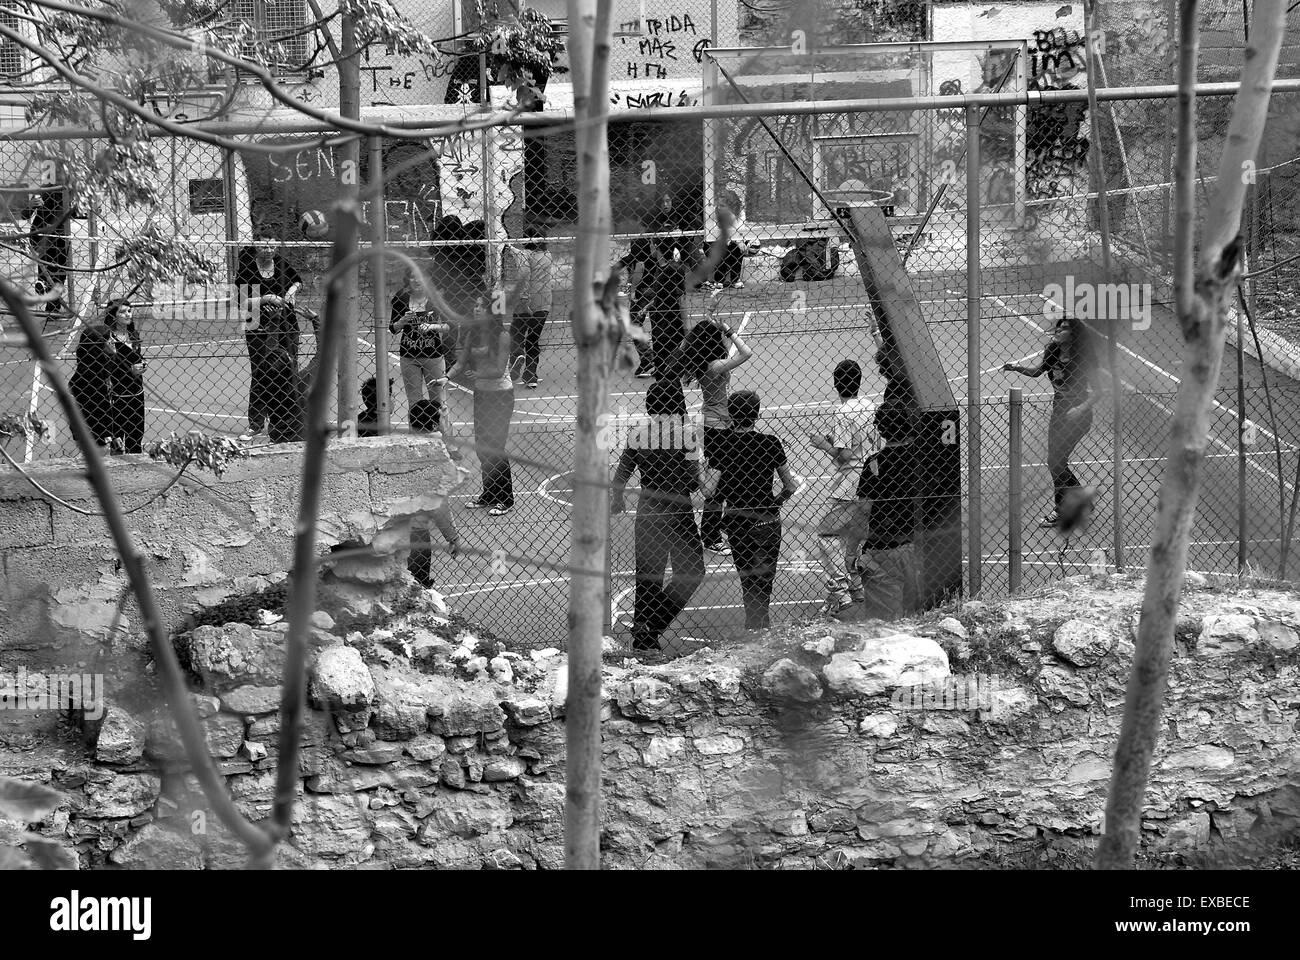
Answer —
(91, 382)
(127, 380)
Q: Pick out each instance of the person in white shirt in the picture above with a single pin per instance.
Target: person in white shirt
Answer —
(530, 278)
(839, 533)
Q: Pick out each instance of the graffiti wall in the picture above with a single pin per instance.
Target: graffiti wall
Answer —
(1056, 134)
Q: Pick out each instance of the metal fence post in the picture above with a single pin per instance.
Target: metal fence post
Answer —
(975, 532)
(1015, 412)
(350, 153)
(378, 239)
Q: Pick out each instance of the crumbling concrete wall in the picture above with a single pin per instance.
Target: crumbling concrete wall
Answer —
(207, 538)
(428, 746)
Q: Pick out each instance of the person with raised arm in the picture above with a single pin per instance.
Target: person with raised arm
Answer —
(1069, 360)
(710, 352)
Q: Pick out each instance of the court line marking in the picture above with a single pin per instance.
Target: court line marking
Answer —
(34, 401)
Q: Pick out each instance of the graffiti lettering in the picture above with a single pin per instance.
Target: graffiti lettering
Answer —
(674, 24)
(654, 47)
(314, 164)
(658, 98)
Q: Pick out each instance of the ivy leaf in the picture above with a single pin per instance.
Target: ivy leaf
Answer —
(25, 801)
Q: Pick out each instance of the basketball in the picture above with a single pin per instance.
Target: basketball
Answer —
(313, 225)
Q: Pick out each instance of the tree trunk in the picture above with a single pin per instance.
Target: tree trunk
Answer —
(1202, 314)
(595, 335)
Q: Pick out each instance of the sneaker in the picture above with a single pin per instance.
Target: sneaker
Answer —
(1051, 520)
(478, 503)
(738, 285)
(720, 548)
(499, 510)
(643, 374)
(532, 384)
(834, 605)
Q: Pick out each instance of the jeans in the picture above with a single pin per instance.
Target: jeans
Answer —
(1063, 435)
(890, 582)
(492, 412)
(838, 543)
(423, 376)
(711, 526)
(755, 547)
(664, 533)
(526, 335)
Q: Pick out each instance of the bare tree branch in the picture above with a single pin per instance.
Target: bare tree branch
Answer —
(1204, 327)
(169, 671)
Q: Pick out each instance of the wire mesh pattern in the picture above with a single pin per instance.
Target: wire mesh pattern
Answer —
(746, 501)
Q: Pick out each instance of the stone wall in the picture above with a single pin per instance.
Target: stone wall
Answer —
(430, 746)
(207, 538)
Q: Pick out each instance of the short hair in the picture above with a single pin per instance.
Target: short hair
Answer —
(743, 407)
(370, 392)
(848, 378)
(664, 398)
(425, 415)
(894, 421)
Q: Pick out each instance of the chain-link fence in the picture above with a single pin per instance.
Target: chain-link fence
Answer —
(852, 251)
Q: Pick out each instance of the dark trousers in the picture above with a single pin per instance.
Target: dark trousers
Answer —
(128, 420)
(755, 547)
(665, 533)
(1063, 435)
(492, 412)
(526, 335)
(258, 379)
(666, 335)
(711, 526)
(728, 271)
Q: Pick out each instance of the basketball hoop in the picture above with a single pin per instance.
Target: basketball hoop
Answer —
(860, 198)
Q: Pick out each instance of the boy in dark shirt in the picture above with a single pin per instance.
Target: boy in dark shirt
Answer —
(666, 450)
(749, 462)
(890, 482)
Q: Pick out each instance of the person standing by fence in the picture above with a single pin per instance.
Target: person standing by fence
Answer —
(750, 461)
(494, 405)
(127, 380)
(268, 284)
(711, 351)
(422, 352)
(530, 276)
(91, 383)
(666, 451)
(889, 487)
(425, 419)
(839, 535)
(663, 290)
(1069, 361)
